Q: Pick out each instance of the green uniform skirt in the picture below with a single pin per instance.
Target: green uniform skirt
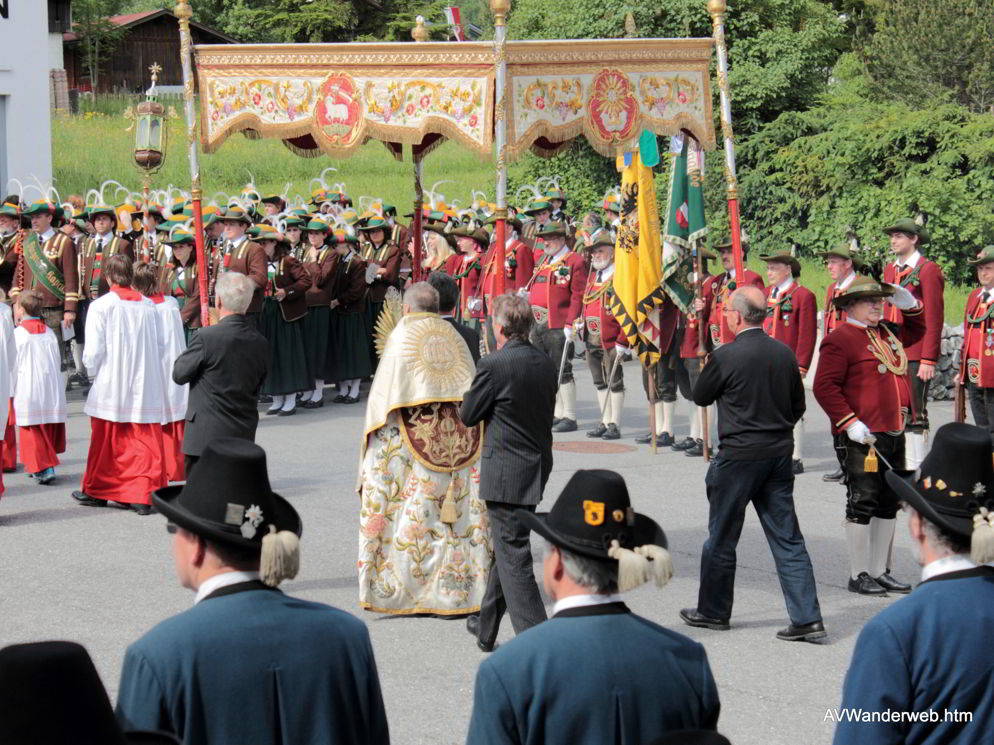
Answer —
(288, 370)
(317, 323)
(348, 350)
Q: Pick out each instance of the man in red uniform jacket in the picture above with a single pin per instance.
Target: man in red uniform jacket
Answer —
(719, 287)
(688, 365)
(556, 295)
(977, 358)
(862, 384)
(924, 280)
(604, 338)
(792, 318)
(518, 265)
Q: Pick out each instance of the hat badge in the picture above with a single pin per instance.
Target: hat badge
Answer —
(253, 519)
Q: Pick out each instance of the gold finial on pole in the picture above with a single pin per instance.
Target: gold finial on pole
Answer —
(419, 32)
(630, 28)
(500, 9)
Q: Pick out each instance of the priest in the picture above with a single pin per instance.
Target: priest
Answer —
(424, 544)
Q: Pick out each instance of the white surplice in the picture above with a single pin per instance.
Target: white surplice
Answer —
(8, 354)
(124, 353)
(174, 343)
(39, 393)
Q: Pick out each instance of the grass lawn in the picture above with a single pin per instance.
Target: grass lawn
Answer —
(92, 148)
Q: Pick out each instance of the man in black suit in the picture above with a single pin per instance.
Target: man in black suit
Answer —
(514, 393)
(757, 384)
(448, 297)
(225, 365)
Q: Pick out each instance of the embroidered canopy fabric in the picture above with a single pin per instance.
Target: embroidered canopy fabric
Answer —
(331, 98)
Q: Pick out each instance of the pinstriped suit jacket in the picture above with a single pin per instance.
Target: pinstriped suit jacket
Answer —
(514, 394)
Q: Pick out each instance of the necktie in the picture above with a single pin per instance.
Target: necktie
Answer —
(776, 291)
(599, 277)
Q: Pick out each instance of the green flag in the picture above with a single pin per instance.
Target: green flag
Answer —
(685, 225)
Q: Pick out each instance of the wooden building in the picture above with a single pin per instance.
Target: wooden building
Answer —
(149, 37)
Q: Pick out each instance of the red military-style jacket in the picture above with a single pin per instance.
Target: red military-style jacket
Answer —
(792, 317)
(834, 317)
(717, 291)
(599, 322)
(556, 288)
(924, 280)
(519, 264)
(853, 383)
(689, 323)
(249, 259)
(469, 283)
(977, 357)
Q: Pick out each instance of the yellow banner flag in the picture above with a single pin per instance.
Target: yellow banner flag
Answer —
(638, 258)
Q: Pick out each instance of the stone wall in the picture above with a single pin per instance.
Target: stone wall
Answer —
(943, 387)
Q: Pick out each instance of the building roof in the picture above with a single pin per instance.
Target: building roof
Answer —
(136, 19)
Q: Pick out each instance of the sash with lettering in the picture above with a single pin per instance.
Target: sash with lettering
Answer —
(43, 270)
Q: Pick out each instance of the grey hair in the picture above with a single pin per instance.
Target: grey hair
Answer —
(941, 541)
(514, 315)
(235, 291)
(600, 577)
(421, 297)
(752, 313)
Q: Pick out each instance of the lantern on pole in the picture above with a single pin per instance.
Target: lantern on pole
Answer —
(150, 129)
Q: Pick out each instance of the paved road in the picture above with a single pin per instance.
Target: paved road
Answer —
(103, 576)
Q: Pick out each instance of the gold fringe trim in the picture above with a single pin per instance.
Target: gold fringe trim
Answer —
(301, 151)
(415, 611)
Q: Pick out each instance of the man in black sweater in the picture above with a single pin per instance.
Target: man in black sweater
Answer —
(757, 384)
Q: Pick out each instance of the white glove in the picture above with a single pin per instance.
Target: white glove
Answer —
(569, 333)
(622, 351)
(474, 303)
(523, 292)
(902, 299)
(859, 432)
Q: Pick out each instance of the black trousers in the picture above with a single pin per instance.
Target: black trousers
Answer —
(868, 494)
(688, 370)
(189, 461)
(767, 483)
(600, 361)
(919, 398)
(982, 407)
(511, 585)
(553, 342)
(665, 380)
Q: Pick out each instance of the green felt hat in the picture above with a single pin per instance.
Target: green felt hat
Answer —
(236, 214)
(553, 227)
(40, 207)
(10, 210)
(180, 236)
(293, 221)
(272, 199)
(783, 257)
(514, 221)
(344, 236)
(986, 256)
(317, 226)
(862, 288)
(909, 226)
(372, 221)
(94, 210)
(843, 251)
(536, 206)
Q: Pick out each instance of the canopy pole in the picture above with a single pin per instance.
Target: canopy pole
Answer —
(717, 10)
(416, 224)
(500, 9)
(183, 13)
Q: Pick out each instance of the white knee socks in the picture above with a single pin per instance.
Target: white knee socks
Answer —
(858, 539)
(617, 399)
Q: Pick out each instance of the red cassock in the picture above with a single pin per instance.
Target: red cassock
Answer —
(557, 286)
(40, 445)
(597, 315)
(923, 280)
(977, 359)
(834, 317)
(519, 264)
(10, 440)
(717, 290)
(126, 461)
(793, 319)
(853, 383)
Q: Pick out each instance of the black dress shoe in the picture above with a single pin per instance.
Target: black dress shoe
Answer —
(272, 412)
(142, 509)
(313, 404)
(864, 584)
(565, 425)
(556, 420)
(663, 439)
(685, 444)
(887, 581)
(836, 475)
(288, 412)
(340, 398)
(473, 627)
(597, 431)
(691, 617)
(796, 467)
(352, 399)
(88, 501)
(265, 398)
(696, 450)
(611, 433)
(808, 632)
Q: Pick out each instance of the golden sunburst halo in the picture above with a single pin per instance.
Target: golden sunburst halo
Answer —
(434, 355)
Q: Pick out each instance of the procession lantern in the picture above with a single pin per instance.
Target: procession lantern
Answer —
(150, 129)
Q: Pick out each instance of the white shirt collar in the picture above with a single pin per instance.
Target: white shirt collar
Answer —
(104, 237)
(854, 322)
(509, 240)
(46, 235)
(784, 286)
(846, 282)
(238, 241)
(223, 580)
(606, 273)
(910, 261)
(581, 601)
(559, 254)
(730, 273)
(947, 564)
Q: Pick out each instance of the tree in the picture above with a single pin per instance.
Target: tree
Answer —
(97, 35)
(925, 51)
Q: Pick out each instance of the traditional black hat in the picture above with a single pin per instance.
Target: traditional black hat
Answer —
(954, 487)
(50, 693)
(594, 517)
(691, 737)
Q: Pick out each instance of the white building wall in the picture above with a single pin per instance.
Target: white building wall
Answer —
(25, 61)
(56, 59)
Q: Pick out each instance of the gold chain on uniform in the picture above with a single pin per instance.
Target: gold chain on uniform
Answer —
(598, 293)
(892, 356)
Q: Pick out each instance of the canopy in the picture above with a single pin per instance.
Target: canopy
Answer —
(332, 98)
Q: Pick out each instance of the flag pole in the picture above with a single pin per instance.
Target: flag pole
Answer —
(183, 13)
(717, 10)
(500, 9)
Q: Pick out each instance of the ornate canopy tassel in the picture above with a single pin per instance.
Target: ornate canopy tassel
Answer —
(450, 513)
(982, 540)
(633, 568)
(280, 558)
(660, 562)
